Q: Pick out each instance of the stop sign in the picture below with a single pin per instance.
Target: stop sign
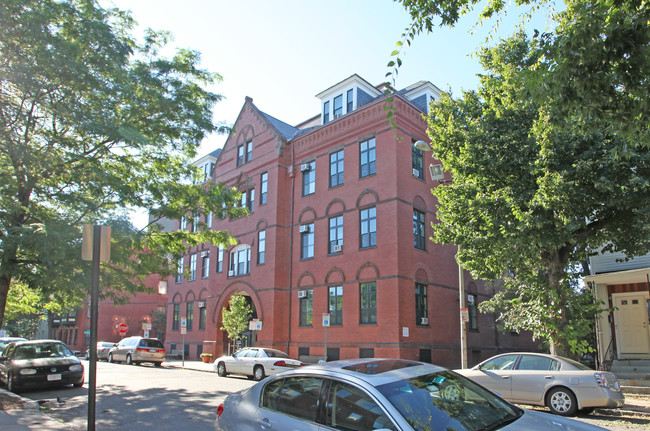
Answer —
(122, 328)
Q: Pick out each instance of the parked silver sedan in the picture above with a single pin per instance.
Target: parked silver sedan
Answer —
(255, 362)
(563, 385)
(378, 394)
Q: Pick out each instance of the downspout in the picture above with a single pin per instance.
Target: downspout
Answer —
(293, 181)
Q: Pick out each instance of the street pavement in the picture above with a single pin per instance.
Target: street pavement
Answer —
(20, 413)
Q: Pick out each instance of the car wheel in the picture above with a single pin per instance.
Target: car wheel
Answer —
(11, 386)
(561, 401)
(129, 361)
(78, 385)
(452, 392)
(158, 364)
(221, 369)
(110, 358)
(258, 373)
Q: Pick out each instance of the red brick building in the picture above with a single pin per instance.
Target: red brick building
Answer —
(340, 220)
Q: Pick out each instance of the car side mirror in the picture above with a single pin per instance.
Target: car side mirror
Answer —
(115, 345)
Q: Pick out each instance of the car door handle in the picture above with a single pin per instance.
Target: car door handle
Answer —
(548, 377)
(264, 423)
(505, 377)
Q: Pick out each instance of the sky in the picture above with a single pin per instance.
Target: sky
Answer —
(282, 53)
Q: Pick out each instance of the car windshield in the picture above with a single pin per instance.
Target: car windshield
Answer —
(147, 342)
(445, 400)
(41, 350)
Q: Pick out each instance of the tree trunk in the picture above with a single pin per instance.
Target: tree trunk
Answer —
(4, 292)
(557, 263)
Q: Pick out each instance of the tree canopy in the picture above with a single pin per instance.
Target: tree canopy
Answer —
(92, 123)
(531, 198)
(235, 318)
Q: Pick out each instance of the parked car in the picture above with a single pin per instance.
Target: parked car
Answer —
(136, 350)
(563, 385)
(378, 394)
(39, 363)
(6, 340)
(103, 348)
(255, 363)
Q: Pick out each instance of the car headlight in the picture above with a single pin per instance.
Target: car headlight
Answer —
(27, 371)
(76, 367)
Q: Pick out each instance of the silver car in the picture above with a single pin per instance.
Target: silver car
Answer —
(377, 394)
(255, 363)
(563, 385)
(135, 350)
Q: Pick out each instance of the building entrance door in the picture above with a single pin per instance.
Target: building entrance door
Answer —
(631, 324)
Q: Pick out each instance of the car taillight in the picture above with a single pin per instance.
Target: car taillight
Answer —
(160, 351)
(280, 364)
(219, 410)
(141, 350)
(601, 380)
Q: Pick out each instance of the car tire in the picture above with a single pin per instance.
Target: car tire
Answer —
(158, 364)
(11, 386)
(129, 360)
(561, 401)
(221, 369)
(110, 358)
(258, 373)
(78, 385)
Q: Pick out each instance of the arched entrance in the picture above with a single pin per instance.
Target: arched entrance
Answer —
(246, 338)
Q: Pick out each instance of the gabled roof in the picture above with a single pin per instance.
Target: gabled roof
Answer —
(283, 128)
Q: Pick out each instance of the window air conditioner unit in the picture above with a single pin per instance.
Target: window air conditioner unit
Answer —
(425, 321)
(338, 248)
(231, 273)
(201, 304)
(416, 172)
(302, 294)
(304, 167)
(304, 228)
(204, 253)
(337, 115)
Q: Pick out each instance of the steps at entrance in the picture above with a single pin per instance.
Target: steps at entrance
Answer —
(633, 375)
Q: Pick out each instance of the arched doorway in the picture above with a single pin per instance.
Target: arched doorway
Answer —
(246, 338)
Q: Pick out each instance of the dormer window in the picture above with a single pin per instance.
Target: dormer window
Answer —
(326, 112)
(345, 97)
(338, 106)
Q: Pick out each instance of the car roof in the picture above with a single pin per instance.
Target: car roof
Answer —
(19, 343)
(375, 371)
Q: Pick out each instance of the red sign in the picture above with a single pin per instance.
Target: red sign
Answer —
(122, 328)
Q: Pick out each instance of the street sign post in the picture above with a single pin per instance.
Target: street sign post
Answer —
(183, 332)
(122, 328)
(326, 324)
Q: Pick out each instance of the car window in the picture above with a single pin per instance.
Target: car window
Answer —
(151, 343)
(539, 363)
(505, 362)
(275, 353)
(351, 409)
(241, 353)
(252, 353)
(294, 396)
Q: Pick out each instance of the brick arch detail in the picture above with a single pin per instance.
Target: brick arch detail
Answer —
(367, 271)
(245, 134)
(306, 279)
(331, 276)
(233, 288)
(203, 294)
(367, 198)
(336, 206)
(307, 215)
(261, 224)
(419, 203)
(189, 296)
(177, 299)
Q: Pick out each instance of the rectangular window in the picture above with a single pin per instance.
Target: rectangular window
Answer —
(240, 155)
(472, 310)
(183, 223)
(350, 100)
(176, 317)
(179, 270)
(338, 106)
(335, 242)
(261, 247)
(240, 261)
(307, 308)
(192, 267)
(220, 259)
(326, 112)
(367, 158)
(336, 169)
(417, 157)
(190, 315)
(308, 178)
(208, 220)
(335, 300)
(195, 223)
(205, 264)
(419, 239)
(249, 151)
(421, 304)
(307, 241)
(202, 317)
(368, 303)
(251, 201)
(264, 185)
(368, 228)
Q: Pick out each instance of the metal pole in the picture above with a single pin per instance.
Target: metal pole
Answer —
(463, 325)
(92, 348)
(325, 351)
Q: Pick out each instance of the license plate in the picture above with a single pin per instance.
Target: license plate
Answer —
(53, 377)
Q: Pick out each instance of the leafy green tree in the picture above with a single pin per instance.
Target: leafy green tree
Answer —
(530, 198)
(92, 124)
(159, 323)
(235, 318)
(26, 311)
